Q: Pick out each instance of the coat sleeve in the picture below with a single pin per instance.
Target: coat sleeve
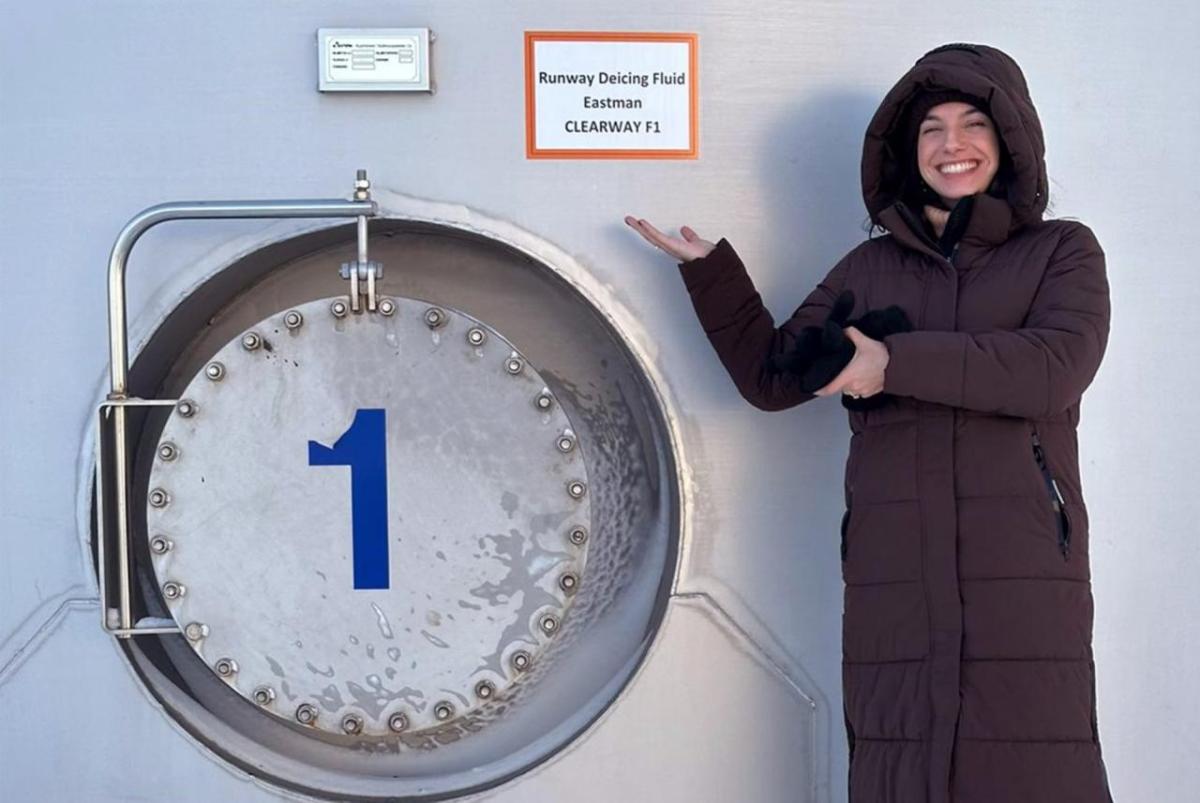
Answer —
(1036, 371)
(742, 331)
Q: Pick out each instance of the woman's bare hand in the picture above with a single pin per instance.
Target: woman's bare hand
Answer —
(690, 247)
(863, 375)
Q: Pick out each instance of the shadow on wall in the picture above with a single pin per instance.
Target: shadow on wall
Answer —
(809, 163)
(809, 168)
(809, 172)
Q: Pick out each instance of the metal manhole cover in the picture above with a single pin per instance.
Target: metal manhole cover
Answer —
(369, 523)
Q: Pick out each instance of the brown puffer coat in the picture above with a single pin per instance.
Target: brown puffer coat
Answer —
(967, 626)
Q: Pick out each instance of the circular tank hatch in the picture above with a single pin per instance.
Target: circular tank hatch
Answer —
(363, 523)
(413, 552)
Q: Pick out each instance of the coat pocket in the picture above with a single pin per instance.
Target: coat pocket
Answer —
(849, 734)
(1062, 518)
(845, 525)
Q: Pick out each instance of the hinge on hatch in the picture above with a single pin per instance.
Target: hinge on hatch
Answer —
(362, 273)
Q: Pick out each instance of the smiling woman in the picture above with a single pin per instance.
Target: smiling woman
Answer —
(967, 669)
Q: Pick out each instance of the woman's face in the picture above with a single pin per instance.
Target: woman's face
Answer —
(958, 151)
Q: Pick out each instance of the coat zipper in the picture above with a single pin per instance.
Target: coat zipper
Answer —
(1056, 498)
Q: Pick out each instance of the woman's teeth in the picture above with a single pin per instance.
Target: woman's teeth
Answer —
(958, 167)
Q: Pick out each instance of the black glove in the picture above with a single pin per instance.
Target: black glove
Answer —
(822, 352)
(806, 349)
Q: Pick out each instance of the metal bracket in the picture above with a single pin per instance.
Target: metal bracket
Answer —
(362, 274)
(362, 270)
(114, 620)
(361, 207)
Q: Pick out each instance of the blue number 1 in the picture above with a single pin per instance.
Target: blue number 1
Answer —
(363, 447)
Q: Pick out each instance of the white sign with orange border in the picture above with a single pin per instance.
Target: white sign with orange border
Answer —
(610, 95)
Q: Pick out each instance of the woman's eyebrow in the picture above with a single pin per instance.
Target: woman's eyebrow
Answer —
(933, 117)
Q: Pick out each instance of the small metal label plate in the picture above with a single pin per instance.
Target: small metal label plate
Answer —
(373, 60)
(369, 523)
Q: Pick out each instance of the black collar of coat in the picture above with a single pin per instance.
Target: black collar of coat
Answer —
(990, 224)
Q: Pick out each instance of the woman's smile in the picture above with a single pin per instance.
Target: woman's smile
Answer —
(958, 167)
